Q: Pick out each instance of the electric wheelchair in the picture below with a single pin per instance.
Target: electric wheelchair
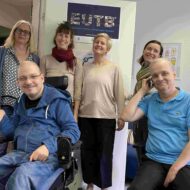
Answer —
(65, 174)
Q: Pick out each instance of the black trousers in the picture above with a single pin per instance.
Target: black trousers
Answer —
(97, 136)
(151, 176)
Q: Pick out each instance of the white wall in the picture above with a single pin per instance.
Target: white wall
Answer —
(169, 22)
(122, 50)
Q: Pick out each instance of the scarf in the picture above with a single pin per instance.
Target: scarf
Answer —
(143, 73)
(62, 55)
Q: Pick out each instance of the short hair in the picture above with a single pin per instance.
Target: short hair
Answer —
(141, 59)
(107, 37)
(9, 42)
(158, 60)
(65, 28)
(25, 63)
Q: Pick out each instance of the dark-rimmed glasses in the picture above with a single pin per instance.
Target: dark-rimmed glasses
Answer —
(30, 77)
(20, 31)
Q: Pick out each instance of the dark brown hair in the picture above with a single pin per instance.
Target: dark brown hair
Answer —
(65, 28)
(141, 59)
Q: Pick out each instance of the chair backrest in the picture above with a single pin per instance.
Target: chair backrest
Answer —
(60, 82)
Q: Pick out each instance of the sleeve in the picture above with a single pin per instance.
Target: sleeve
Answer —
(67, 124)
(8, 125)
(78, 80)
(43, 65)
(143, 104)
(36, 59)
(119, 90)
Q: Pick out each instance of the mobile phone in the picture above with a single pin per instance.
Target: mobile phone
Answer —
(150, 83)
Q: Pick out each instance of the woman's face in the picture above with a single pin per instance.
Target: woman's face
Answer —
(100, 46)
(22, 34)
(63, 40)
(151, 52)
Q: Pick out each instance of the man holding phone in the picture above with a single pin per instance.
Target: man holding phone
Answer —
(167, 159)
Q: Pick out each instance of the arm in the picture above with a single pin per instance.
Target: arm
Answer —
(182, 160)
(8, 125)
(43, 65)
(119, 96)
(131, 112)
(66, 122)
(77, 88)
(76, 109)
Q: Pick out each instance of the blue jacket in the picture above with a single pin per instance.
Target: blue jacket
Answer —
(3, 51)
(52, 117)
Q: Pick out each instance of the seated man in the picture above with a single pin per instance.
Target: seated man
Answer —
(41, 115)
(167, 157)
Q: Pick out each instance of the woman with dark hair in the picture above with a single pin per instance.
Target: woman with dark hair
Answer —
(63, 62)
(152, 50)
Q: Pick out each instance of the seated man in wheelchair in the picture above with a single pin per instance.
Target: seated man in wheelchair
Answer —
(41, 116)
(167, 159)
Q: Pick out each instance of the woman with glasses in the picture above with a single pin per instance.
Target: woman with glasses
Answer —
(62, 61)
(18, 47)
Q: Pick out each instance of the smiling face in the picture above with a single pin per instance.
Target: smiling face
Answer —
(22, 34)
(63, 40)
(151, 52)
(100, 46)
(30, 80)
(163, 76)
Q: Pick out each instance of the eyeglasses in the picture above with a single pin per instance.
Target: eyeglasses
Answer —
(25, 32)
(31, 77)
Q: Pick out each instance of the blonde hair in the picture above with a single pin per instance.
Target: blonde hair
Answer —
(11, 38)
(107, 37)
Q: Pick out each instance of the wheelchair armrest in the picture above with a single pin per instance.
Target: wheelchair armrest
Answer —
(64, 152)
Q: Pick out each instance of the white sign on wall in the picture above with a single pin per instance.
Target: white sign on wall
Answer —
(172, 52)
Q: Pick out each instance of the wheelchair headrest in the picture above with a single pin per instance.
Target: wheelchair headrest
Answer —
(60, 82)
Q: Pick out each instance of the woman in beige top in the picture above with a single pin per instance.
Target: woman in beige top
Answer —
(63, 62)
(102, 99)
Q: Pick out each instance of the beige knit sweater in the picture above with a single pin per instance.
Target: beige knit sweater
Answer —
(51, 67)
(102, 91)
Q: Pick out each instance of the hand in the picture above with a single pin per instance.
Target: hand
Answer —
(120, 124)
(170, 176)
(145, 85)
(41, 154)
(2, 113)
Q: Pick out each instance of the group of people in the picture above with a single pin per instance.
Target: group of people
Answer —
(35, 114)
(38, 114)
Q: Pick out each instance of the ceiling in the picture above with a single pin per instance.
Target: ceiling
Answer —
(18, 2)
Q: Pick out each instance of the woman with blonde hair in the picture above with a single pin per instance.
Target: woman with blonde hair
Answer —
(102, 101)
(18, 47)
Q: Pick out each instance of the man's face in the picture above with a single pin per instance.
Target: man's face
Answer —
(163, 76)
(30, 80)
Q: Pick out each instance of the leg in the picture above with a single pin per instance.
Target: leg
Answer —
(31, 175)
(181, 181)
(88, 148)
(149, 176)
(8, 164)
(104, 151)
